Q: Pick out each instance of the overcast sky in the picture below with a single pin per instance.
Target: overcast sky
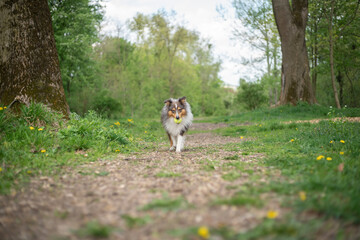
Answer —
(199, 15)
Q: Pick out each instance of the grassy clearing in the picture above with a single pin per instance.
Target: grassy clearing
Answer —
(320, 163)
(302, 111)
(39, 142)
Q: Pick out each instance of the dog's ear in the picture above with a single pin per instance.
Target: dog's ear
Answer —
(168, 102)
(182, 100)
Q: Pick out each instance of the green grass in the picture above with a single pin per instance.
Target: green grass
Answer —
(168, 174)
(38, 141)
(133, 222)
(332, 193)
(302, 111)
(166, 204)
(94, 229)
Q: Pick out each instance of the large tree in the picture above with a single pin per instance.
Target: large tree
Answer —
(291, 19)
(29, 65)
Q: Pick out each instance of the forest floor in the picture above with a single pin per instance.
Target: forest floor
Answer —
(146, 195)
(219, 187)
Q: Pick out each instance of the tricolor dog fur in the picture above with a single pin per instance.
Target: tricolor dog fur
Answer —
(176, 117)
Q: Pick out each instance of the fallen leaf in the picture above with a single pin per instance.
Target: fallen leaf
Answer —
(341, 167)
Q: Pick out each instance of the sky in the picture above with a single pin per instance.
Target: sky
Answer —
(199, 15)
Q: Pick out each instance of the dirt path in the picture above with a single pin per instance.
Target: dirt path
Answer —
(108, 190)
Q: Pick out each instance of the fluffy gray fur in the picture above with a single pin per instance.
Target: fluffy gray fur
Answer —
(176, 131)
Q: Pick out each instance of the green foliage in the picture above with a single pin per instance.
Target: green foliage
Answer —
(89, 132)
(346, 50)
(255, 25)
(251, 95)
(106, 105)
(37, 114)
(76, 25)
(167, 61)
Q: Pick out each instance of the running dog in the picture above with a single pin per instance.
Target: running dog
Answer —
(176, 117)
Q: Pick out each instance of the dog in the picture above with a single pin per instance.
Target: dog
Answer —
(176, 118)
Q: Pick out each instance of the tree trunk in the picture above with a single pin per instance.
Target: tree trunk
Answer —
(340, 80)
(331, 46)
(314, 51)
(29, 64)
(295, 78)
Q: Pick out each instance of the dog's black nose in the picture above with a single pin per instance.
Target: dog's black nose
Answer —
(177, 117)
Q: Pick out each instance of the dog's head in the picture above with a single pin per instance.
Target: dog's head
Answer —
(176, 107)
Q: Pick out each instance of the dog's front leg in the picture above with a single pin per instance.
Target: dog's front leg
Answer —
(180, 143)
(173, 142)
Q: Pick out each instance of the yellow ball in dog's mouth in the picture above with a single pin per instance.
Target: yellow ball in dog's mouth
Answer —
(177, 120)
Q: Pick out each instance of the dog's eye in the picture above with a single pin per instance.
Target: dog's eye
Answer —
(173, 111)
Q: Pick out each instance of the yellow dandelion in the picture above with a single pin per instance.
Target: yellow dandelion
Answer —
(130, 120)
(204, 232)
(272, 214)
(292, 140)
(40, 129)
(241, 137)
(302, 195)
(329, 158)
(1, 109)
(117, 124)
(43, 151)
(5, 107)
(260, 125)
(296, 129)
(29, 172)
(0, 169)
(31, 128)
(341, 153)
(117, 150)
(342, 141)
(331, 141)
(320, 157)
(145, 131)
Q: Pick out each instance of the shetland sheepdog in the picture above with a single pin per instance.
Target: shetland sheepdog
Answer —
(176, 117)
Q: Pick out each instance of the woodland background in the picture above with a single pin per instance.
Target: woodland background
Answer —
(119, 77)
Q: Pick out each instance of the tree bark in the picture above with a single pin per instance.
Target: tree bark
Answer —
(29, 64)
(295, 77)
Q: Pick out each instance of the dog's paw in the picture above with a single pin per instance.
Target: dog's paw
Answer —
(172, 148)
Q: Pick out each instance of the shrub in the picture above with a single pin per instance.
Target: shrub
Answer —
(89, 132)
(251, 94)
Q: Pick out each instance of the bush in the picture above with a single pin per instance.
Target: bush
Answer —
(106, 105)
(251, 94)
(89, 132)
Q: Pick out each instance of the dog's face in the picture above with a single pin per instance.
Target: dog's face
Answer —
(176, 109)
